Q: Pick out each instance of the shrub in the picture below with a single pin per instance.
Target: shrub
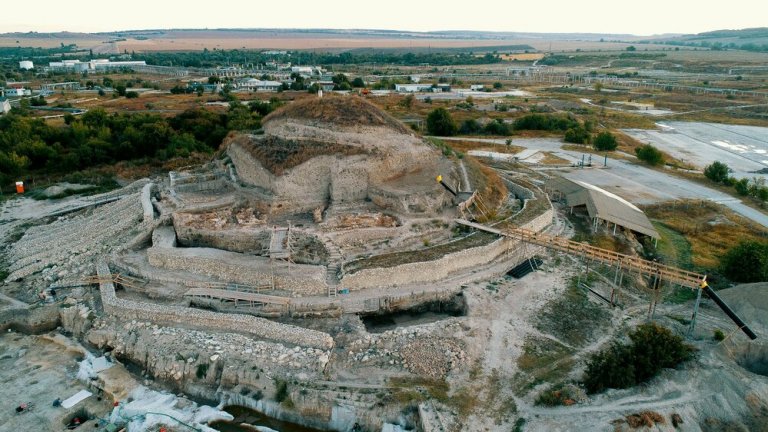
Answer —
(718, 335)
(746, 262)
(558, 395)
(131, 95)
(742, 186)
(717, 172)
(605, 141)
(649, 154)
(440, 122)
(652, 348)
(497, 127)
(470, 126)
(577, 135)
(281, 390)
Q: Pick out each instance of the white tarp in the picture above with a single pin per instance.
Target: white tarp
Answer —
(76, 398)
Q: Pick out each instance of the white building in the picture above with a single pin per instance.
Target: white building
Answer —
(476, 87)
(413, 88)
(307, 70)
(253, 84)
(26, 65)
(94, 65)
(5, 105)
(16, 92)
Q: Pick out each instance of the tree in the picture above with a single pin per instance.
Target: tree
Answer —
(497, 85)
(717, 172)
(440, 123)
(214, 80)
(120, 89)
(605, 141)
(649, 154)
(131, 95)
(631, 48)
(358, 82)
(746, 262)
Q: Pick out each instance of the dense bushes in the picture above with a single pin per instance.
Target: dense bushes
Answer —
(649, 154)
(652, 348)
(718, 172)
(746, 262)
(577, 135)
(545, 123)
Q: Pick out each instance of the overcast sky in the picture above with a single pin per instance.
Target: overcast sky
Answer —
(582, 16)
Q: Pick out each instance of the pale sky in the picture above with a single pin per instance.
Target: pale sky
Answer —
(569, 16)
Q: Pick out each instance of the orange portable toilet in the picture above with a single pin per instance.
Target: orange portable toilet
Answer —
(20, 187)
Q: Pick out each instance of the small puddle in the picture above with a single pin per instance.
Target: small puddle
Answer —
(252, 419)
(423, 313)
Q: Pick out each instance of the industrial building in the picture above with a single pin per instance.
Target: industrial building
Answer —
(26, 65)
(258, 85)
(601, 205)
(98, 65)
(16, 89)
(427, 87)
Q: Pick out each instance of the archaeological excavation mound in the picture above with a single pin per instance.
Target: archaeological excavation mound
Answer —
(324, 151)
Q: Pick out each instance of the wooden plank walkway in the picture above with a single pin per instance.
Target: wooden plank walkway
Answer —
(624, 262)
(228, 295)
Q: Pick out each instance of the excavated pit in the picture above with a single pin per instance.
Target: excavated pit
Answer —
(423, 313)
(753, 357)
(246, 418)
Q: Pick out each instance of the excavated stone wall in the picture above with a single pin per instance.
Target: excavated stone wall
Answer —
(301, 279)
(433, 271)
(176, 315)
(329, 179)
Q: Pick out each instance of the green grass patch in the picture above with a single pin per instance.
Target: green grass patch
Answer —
(673, 247)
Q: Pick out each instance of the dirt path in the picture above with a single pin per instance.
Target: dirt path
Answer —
(467, 186)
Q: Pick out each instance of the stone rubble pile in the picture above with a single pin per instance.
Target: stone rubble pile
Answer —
(175, 353)
(416, 349)
(432, 357)
(68, 246)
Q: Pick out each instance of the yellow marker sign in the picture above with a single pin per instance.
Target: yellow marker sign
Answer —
(703, 284)
(439, 178)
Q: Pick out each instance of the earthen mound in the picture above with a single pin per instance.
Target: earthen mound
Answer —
(340, 111)
(324, 151)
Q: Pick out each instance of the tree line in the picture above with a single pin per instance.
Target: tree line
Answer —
(29, 145)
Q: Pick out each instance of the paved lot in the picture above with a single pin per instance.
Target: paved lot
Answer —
(743, 148)
(635, 182)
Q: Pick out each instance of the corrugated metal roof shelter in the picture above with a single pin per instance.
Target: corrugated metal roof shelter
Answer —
(601, 205)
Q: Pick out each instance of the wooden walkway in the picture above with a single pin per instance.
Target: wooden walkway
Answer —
(621, 261)
(237, 296)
